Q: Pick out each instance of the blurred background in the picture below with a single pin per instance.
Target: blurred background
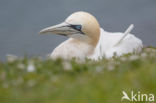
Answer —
(21, 20)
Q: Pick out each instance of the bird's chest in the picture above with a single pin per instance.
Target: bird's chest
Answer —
(70, 50)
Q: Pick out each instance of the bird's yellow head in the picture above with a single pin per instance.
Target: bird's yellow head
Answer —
(79, 25)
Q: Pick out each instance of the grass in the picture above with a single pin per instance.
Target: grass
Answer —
(46, 81)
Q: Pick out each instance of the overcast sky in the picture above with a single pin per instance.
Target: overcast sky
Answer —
(21, 20)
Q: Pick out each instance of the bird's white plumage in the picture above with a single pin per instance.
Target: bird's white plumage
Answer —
(106, 45)
(70, 48)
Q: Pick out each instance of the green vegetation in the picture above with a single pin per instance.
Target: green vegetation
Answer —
(46, 81)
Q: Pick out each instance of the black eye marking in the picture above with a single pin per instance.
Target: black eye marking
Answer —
(76, 27)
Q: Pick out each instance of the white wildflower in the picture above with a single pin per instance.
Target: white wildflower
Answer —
(67, 65)
(11, 58)
(21, 66)
(133, 57)
(31, 67)
(144, 55)
(123, 58)
(110, 66)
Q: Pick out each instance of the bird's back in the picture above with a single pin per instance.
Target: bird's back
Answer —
(107, 44)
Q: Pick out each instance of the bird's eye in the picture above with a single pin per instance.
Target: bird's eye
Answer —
(78, 27)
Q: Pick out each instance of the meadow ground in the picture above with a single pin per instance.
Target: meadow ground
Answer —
(46, 81)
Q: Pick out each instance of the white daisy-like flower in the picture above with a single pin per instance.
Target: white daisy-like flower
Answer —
(31, 67)
(133, 57)
(11, 58)
(67, 65)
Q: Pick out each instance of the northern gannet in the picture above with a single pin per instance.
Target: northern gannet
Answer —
(88, 40)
